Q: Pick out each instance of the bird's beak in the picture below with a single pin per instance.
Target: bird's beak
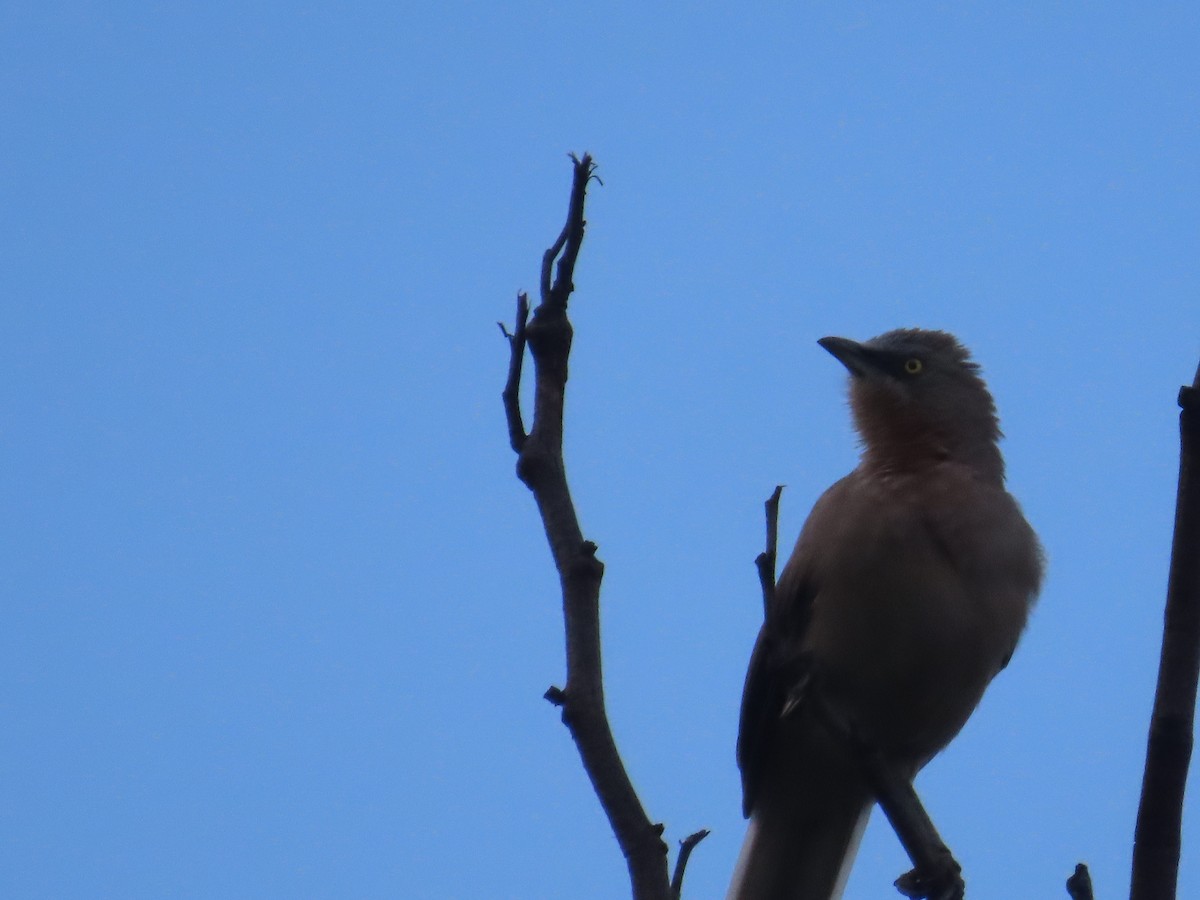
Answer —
(851, 354)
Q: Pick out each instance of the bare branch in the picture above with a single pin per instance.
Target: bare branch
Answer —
(765, 562)
(512, 387)
(540, 466)
(548, 263)
(686, 846)
(569, 240)
(1156, 841)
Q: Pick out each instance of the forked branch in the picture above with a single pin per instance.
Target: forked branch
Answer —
(540, 466)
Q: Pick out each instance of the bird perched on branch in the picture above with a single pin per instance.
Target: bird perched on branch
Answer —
(905, 594)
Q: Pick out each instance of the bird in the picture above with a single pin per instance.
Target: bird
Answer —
(906, 593)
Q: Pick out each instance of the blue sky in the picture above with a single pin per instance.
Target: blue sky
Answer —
(278, 617)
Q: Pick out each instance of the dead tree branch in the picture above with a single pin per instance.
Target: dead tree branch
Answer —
(766, 561)
(686, 846)
(540, 466)
(1156, 841)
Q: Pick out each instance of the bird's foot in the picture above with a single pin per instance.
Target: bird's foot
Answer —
(943, 883)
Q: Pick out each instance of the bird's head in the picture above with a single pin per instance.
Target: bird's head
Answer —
(917, 397)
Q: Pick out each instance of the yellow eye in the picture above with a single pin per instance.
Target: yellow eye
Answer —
(913, 366)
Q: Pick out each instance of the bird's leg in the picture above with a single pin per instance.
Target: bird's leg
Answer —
(936, 874)
(944, 885)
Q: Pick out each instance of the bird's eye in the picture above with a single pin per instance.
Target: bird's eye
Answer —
(913, 366)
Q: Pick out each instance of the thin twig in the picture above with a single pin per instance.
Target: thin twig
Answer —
(548, 263)
(686, 846)
(765, 562)
(1157, 837)
(511, 394)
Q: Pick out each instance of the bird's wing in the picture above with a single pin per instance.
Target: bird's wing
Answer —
(777, 669)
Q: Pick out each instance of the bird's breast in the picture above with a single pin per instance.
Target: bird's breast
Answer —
(914, 610)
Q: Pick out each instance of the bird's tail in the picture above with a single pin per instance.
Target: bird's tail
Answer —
(801, 853)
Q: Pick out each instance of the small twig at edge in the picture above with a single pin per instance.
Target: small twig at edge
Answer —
(686, 846)
(766, 560)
